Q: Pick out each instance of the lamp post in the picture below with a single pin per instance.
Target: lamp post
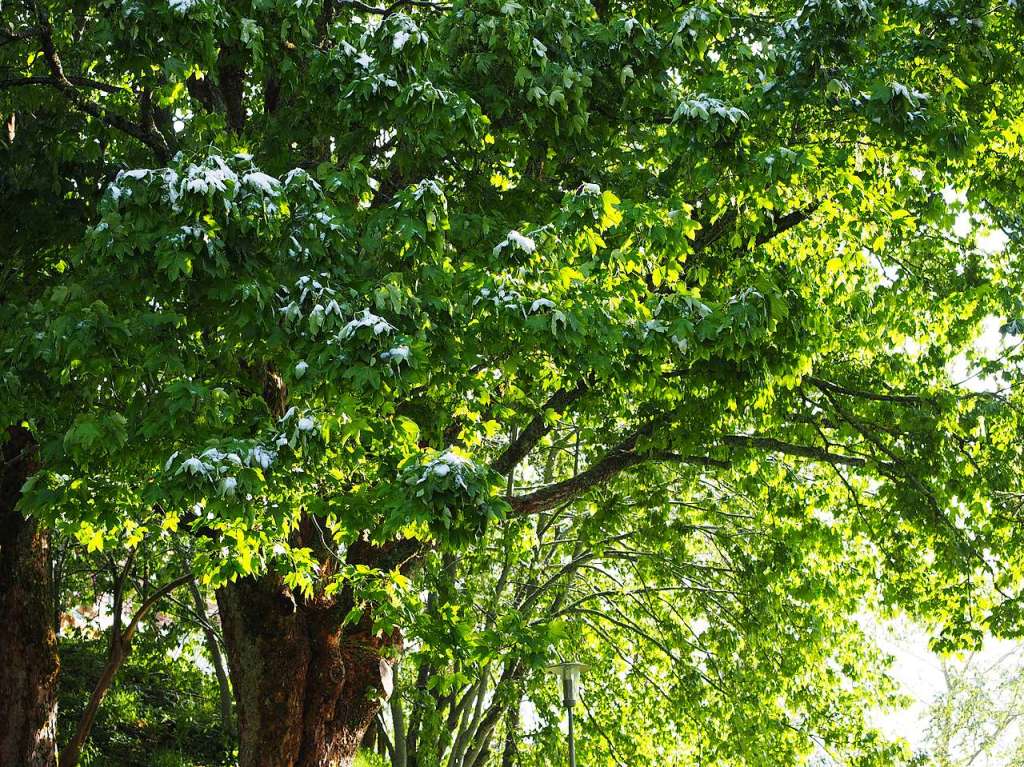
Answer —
(569, 675)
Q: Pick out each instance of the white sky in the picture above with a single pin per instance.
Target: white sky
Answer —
(919, 673)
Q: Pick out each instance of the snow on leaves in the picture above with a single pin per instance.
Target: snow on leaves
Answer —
(181, 7)
(366, 319)
(205, 205)
(231, 181)
(447, 463)
(315, 312)
(396, 354)
(268, 185)
(220, 468)
(404, 30)
(236, 464)
(453, 495)
(708, 110)
(516, 241)
(509, 299)
(313, 302)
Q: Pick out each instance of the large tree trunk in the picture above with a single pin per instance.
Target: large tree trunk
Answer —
(28, 643)
(305, 688)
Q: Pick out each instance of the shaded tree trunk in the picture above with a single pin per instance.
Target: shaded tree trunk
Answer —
(306, 688)
(511, 750)
(213, 647)
(28, 642)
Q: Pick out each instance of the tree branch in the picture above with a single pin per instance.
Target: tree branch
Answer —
(120, 647)
(625, 456)
(802, 451)
(152, 138)
(900, 399)
(787, 222)
(534, 432)
(618, 459)
(83, 82)
(387, 11)
(10, 36)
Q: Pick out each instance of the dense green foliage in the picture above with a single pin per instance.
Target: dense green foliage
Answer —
(632, 322)
(161, 712)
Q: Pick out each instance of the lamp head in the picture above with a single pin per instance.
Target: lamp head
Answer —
(569, 676)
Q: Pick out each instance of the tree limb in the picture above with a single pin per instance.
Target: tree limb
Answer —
(388, 10)
(534, 432)
(618, 459)
(900, 399)
(83, 82)
(120, 647)
(786, 448)
(625, 456)
(152, 138)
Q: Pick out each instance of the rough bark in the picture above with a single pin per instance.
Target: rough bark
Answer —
(306, 688)
(28, 642)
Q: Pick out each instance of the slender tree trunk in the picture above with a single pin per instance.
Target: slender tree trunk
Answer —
(398, 758)
(508, 755)
(28, 642)
(210, 635)
(72, 750)
(306, 689)
(120, 649)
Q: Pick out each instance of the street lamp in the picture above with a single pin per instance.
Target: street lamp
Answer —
(569, 675)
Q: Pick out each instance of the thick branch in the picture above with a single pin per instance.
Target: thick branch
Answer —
(537, 428)
(786, 448)
(618, 459)
(83, 82)
(625, 456)
(786, 222)
(204, 91)
(899, 399)
(231, 80)
(153, 138)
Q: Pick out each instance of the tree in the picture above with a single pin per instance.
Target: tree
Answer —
(975, 720)
(334, 272)
(123, 617)
(717, 631)
(121, 637)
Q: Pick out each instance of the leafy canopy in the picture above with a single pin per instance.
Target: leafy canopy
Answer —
(284, 275)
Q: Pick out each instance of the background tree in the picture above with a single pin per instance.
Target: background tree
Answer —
(706, 640)
(150, 699)
(975, 720)
(131, 603)
(333, 272)
(28, 727)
